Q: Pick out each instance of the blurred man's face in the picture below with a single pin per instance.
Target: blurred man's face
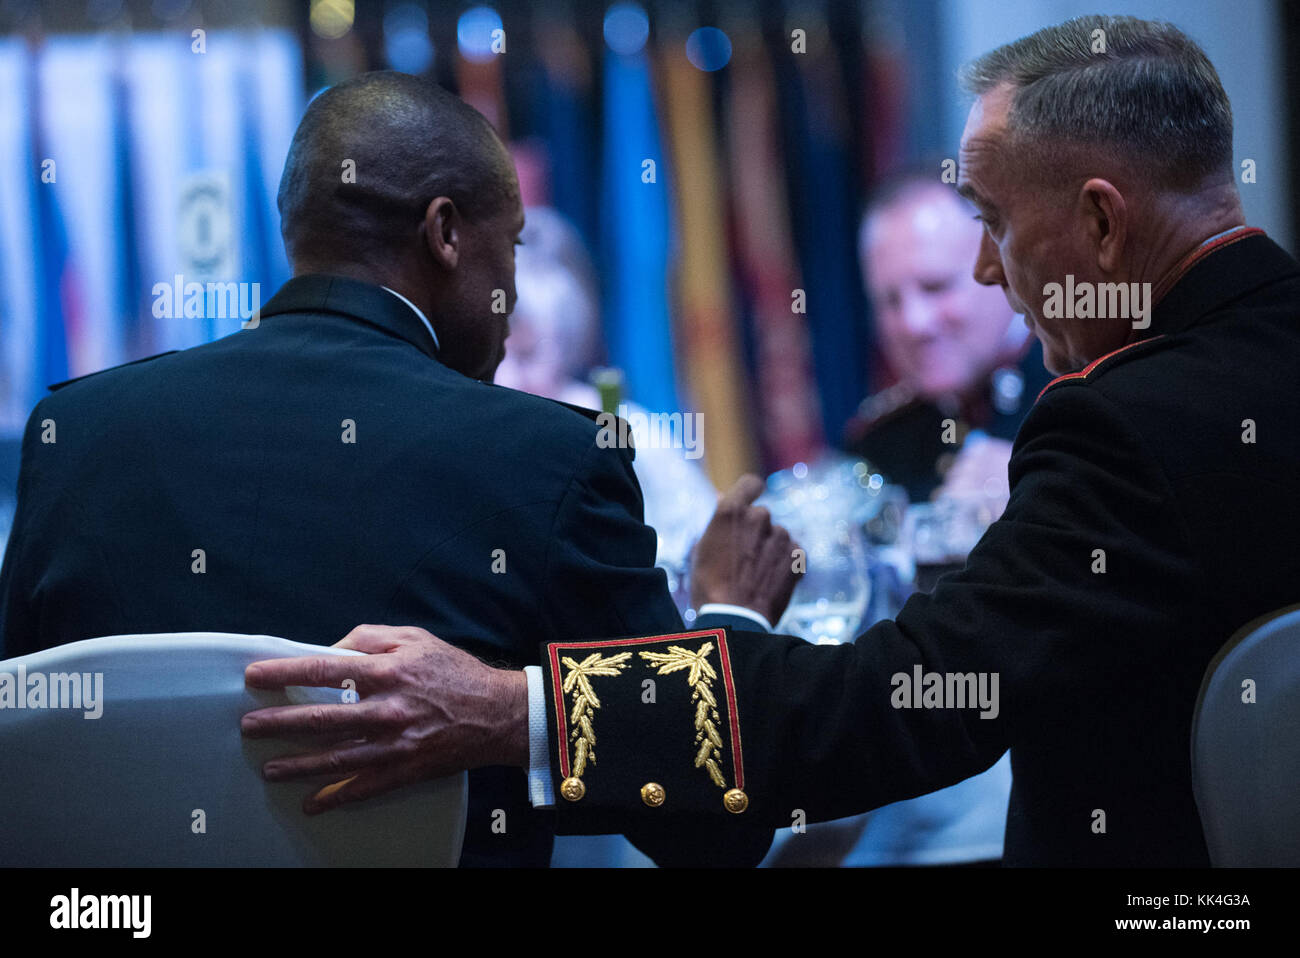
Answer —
(475, 313)
(489, 290)
(1031, 237)
(535, 360)
(940, 330)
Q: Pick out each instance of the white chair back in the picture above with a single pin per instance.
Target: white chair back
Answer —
(145, 765)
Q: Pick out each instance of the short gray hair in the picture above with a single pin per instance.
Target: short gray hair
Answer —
(1151, 98)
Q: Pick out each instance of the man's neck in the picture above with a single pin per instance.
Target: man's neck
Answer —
(366, 273)
(388, 279)
(1178, 224)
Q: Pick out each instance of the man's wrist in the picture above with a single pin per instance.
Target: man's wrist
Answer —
(511, 727)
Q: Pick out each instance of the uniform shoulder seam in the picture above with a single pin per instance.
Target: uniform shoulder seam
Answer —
(135, 362)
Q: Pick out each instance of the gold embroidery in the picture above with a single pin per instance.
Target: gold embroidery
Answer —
(585, 702)
(708, 742)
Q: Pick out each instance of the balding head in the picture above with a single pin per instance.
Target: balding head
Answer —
(408, 141)
(392, 180)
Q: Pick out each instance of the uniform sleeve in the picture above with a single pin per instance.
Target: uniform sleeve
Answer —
(1027, 639)
(601, 577)
(601, 573)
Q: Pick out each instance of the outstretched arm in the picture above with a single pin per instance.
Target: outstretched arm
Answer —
(428, 709)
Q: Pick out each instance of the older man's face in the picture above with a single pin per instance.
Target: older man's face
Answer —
(1031, 238)
(940, 330)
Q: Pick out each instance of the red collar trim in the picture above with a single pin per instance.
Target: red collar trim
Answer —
(1195, 256)
(1083, 373)
(1170, 279)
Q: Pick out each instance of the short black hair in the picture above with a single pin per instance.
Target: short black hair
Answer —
(369, 156)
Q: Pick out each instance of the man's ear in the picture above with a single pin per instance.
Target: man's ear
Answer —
(442, 231)
(1106, 214)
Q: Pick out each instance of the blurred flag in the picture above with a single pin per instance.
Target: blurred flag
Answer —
(9, 396)
(823, 180)
(481, 44)
(711, 349)
(884, 80)
(259, 258)
(195, 231)
(635, 229)
(790, 424)
(135, 320)
(58, 295)
(564, 101)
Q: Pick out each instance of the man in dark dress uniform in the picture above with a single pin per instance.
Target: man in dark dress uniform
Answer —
(343, 459)
(965, 365)
(1154, 510)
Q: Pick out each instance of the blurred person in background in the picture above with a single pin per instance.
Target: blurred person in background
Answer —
(957, 349)
(959, 352)
(554, 339)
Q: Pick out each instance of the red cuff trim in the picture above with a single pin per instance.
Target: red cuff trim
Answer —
(561, 716)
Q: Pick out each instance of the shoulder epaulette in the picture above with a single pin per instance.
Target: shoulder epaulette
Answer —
(879, 408)
(880, 405)
(135, 362)
(592, 414)
(622, 431)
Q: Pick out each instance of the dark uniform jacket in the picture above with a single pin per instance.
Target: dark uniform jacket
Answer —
(1155, 509)
(485, 515)
(902, 434)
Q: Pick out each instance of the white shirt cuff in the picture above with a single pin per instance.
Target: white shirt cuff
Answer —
(540, 791)
(724, 609)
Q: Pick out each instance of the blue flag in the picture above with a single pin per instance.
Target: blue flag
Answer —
(55, 283)
(635, 225)
(135, 322)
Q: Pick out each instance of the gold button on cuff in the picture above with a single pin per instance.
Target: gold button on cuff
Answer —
(573, 789)
(735, 801)
(652, 793)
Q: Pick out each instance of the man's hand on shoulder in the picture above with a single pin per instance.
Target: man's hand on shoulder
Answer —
(426, 709)
(742, 558)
